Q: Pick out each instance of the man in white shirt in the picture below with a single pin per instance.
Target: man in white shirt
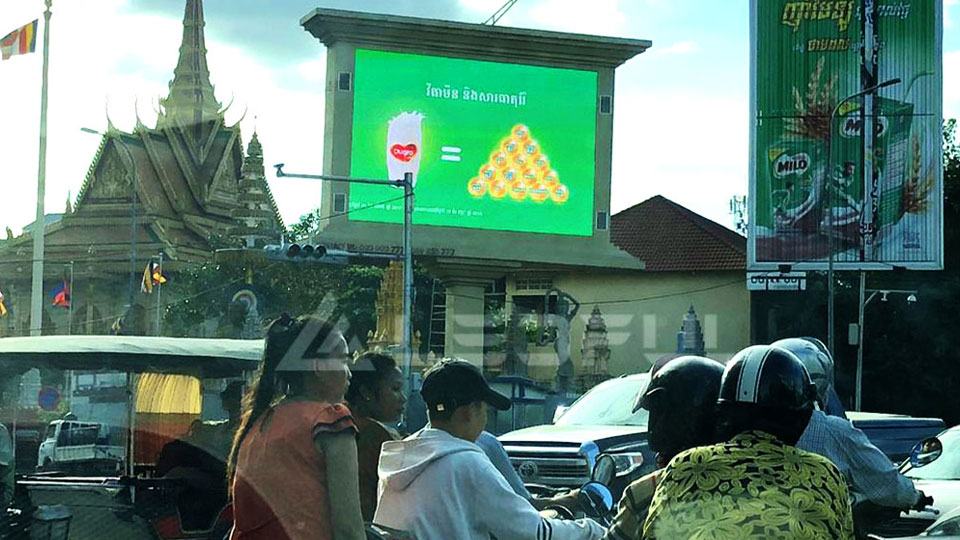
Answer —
(439, 485)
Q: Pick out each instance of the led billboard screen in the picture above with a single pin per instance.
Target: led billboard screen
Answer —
(493, 146)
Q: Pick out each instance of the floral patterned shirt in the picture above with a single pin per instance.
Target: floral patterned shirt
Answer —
(752, 486)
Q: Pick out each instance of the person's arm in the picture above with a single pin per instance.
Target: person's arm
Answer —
(872, 473)
(632, 513)
(501, 461)
(508, 516)
(340, 454)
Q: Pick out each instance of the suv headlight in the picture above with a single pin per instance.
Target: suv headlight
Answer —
(627, 462)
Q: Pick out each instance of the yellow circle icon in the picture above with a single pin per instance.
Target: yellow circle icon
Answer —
(541, 163)
(477, 187)
(499, 159)
(488, 173)
(509, 175)
(520, 161)
(518, 190)
(559, 193)
(551, 177)
(510, 146)
(529, 175)
(538, 192)
(531, 148)
(521, 132)
(498, 188)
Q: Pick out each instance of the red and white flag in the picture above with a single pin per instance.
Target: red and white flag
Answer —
(23, 40)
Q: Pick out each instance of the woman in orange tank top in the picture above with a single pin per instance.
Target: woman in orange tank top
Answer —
(293, 464)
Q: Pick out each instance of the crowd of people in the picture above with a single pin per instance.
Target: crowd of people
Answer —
(757, 448)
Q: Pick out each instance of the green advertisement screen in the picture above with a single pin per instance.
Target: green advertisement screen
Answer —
(491, 146)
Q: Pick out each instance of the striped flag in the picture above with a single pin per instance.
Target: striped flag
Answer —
(23, 40)
(151, 277)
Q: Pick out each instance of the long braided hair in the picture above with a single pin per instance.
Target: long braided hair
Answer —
(301, 337)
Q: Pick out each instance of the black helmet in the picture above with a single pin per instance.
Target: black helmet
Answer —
(766, 388)
(681, 398)
(815, 360)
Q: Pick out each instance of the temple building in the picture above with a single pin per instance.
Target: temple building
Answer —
(176, 191)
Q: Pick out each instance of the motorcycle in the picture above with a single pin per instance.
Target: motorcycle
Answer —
(594, 498)
(874, 522)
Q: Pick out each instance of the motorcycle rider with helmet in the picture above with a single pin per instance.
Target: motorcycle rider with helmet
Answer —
(867, 470)
(681, 399)
(756, 484)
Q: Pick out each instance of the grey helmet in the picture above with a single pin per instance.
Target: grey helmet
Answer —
(816, 360)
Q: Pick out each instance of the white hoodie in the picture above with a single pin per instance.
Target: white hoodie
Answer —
(439, 487)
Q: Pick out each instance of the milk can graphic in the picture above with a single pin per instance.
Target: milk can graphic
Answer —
(404, 145)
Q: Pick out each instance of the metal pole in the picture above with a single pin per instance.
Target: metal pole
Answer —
(830, 254)
(408, 277)
(133, 225)
(830, 190)
(36, 292)
(159, 288)
(863, 304)
(70, 307)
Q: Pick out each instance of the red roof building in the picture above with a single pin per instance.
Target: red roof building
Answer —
(670, 238)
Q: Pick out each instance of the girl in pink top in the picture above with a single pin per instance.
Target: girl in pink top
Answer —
(293, 465)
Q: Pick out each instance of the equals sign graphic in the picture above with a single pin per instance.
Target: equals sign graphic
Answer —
(450, 153)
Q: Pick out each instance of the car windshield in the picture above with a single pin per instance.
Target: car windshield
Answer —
(947, 466)
(608, 404)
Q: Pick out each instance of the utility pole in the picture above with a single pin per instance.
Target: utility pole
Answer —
(36, 292)
(407, 184)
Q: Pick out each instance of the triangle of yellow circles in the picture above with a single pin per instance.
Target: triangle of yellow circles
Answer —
(518, 170)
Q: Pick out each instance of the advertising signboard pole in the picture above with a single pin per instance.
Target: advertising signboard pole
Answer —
(407, 184)
(831, 189)
(408, 279)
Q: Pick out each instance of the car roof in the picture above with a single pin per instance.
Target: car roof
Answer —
(211, 358)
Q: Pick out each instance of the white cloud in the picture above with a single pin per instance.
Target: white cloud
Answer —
(691, 148)
(680, 47)
(951, 84)
(602, 17)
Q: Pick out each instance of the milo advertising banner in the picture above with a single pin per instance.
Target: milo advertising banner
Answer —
(814, 185)
(490, 145)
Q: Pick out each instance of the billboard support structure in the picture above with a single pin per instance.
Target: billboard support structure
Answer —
(407, 184)
(831, 192)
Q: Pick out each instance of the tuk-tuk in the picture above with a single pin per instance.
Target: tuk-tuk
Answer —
(166, 383)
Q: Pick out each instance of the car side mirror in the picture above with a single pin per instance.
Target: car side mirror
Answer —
(604, 470)
(926, 452)
(596, 499)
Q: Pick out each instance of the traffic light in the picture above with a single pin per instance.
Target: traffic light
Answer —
(305, 253)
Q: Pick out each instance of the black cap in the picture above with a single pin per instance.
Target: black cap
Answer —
(452, 383)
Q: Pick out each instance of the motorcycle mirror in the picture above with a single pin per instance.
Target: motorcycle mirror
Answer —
(926, 452)
(603, 470)
(596, 499)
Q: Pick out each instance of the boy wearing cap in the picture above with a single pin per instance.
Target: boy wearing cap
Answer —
(438, 484)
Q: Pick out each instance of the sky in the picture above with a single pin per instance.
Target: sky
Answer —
(681, 108)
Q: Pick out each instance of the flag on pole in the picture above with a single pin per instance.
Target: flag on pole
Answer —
(151, 277)
(3, 306)
(60, 297)
(23, 40)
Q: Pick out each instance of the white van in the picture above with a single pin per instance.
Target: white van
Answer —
(70, 445)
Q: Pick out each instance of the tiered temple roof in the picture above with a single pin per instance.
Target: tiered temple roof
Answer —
(193, 183)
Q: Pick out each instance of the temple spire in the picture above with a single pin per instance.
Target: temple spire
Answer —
(191, 100)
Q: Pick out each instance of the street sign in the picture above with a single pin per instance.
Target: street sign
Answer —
(49, 398)
(774, 281)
